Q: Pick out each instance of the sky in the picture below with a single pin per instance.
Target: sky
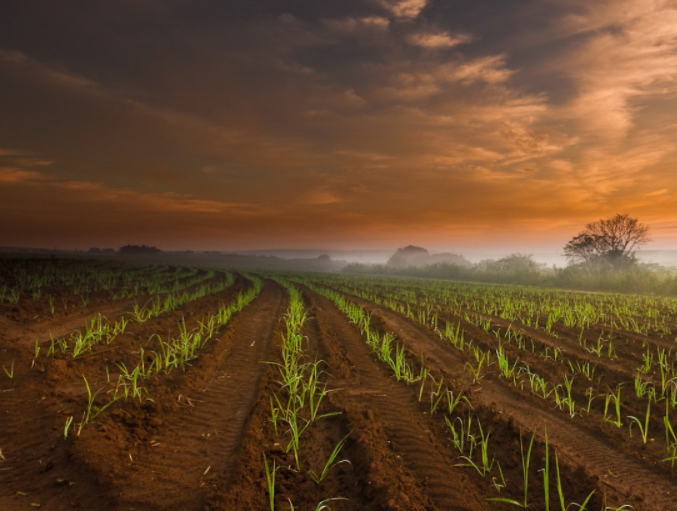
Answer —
(228, 125)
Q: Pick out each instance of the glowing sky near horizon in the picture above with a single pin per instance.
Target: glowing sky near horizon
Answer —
(451, 124)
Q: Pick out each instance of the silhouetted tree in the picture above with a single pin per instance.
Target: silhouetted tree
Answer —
(136, 249)
(409, 255)
(611, 241)
(518, 264)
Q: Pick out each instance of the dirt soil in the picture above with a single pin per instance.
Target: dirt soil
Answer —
(198, 438)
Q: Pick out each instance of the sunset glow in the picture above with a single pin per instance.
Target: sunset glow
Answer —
(335, 124)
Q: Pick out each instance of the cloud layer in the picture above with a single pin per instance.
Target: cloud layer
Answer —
(336, 124)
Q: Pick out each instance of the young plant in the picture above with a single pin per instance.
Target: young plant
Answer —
(670, 439)
(321, 506)
(643, 429)
(452, 401)
(69, 421)
(330, 462)
(92, 410)
(436, 397)
(562, 503)
(481, 359)
(568, 400)
(616, 398)
(458, 436)
(270, 481)
(10, 372)
(546, 473)
(526, 460)
(485, 465)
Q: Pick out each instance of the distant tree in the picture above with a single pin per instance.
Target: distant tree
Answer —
(324, 257)
(608, 242)
(409, 255)
(136, 249)
(518, 264)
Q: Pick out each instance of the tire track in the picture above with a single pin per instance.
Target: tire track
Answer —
(35, 467)
(198, 448)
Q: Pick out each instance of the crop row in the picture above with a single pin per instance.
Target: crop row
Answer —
(165, 355)
(468, 433)
(100, 329)
(297, 403)
(569, 392)
(44, 279)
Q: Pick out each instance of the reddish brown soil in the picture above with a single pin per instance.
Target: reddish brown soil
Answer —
(198, 440)
(598, 453)
(397, 461)
(111, 464)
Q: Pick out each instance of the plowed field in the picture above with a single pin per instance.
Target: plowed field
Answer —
(401, 395)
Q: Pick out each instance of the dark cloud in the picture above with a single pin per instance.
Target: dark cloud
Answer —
(336, 118)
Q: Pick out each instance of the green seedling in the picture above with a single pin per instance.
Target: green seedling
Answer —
(436, 397)
(270, 482)
(643, 429)
(546, 473)
(275, 414)
(324, 504)
(590, 393)
(563, 505)
(458, 436)
(485, 465)
(568, 400)
(476, 371)
(321, 506)
(330, 462)
(670, 439)
(452, 401)
(92, 410)
(69, 421)
(616, 398)
(10, 372)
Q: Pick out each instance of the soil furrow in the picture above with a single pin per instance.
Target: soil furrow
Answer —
(373, 397)
(196, 448)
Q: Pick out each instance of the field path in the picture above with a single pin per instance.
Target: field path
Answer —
(647, 488)
(197, 446)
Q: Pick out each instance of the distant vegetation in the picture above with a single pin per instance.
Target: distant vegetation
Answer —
(139, 249)
(601, 258)
(522, 269)
(608, 243)
(419, 256)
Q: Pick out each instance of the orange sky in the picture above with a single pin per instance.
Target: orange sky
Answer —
(335, 124)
